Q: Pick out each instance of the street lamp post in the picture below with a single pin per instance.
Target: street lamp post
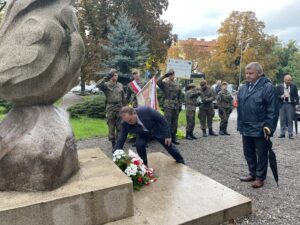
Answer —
(241, 44)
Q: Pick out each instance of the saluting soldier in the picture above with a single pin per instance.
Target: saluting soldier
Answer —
(134, 87)
(115, 100)
(206, 108)
(172, 102)
(190, 105)
(225, 105)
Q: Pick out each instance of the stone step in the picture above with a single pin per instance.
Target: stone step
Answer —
(99, 193)
(184, 196)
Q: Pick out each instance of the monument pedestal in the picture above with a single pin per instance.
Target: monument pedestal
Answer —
(184, 196)
(99, 193)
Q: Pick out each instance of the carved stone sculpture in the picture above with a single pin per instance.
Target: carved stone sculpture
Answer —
(41, 52)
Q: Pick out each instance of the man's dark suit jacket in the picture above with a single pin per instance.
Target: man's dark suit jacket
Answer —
(293, 94)
(151, 119)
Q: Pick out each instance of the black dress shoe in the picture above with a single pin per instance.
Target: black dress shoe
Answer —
(247, 178)
(281, 136)
(291, 136)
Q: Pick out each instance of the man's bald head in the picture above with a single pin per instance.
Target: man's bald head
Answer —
(287, 79)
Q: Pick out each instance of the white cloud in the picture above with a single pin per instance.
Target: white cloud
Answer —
(202, 18)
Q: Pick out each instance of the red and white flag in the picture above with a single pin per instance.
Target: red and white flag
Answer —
(147, 95)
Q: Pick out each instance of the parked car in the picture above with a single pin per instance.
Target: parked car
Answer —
(88, 89)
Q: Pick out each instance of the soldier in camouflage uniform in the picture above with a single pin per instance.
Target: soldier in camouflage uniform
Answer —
(172, 102)
(115, 100)
(134, 87)
(206, 108)
(224, 102)
(190, 105)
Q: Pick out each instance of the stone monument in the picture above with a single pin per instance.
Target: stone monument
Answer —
(41, 52)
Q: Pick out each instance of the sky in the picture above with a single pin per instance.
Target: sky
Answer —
(202, 18)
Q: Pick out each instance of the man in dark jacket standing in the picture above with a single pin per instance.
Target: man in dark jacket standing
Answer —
(146, 123)
(288, 99)
(257, 108)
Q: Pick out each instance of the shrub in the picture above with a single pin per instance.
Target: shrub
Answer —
(5, 106)
(93, 106)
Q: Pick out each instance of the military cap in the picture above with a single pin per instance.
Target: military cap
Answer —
(191, 85)
(171, 71)
(113, 71)
(203, 82)
(133, 71)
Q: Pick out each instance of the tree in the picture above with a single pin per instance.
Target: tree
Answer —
(293, 68)
(95, 16)
(146, 17)
(284, 52)
(236, 29)
(127, 48)
(92, 18)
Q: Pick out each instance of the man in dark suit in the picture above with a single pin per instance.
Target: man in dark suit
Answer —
(288, 99)
(146, 122)
(257, 108)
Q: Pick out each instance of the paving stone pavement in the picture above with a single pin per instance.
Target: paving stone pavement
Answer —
(221, 159)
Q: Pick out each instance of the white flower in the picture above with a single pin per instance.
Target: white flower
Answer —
(134, 156)
(131, 170)
(143, 169)
(118, 154)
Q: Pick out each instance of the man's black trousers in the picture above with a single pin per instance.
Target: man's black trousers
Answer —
(141, 142)
(256, 154)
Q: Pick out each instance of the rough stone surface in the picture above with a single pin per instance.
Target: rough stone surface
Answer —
(41, 51)
(99, 193)
(37, 149)
(183, 196)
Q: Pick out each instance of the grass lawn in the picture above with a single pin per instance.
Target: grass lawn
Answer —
(85, 127)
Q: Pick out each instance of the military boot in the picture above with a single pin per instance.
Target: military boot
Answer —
(188, 136)
(204, 133)
(222, 132)
(211, 132)
(226, 133)
(192, 135)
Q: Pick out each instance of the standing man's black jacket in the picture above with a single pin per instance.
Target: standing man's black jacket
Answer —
(293, 94)
(257, 108)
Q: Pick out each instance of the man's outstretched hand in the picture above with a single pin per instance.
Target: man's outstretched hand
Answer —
(168, 141)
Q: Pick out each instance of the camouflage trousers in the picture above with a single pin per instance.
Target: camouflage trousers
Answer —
(114, 125)
(190, 121)
(206, 116)
(171, 116)
(224, 115)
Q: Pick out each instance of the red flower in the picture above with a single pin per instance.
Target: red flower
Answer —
(140, 180)
(136, 162)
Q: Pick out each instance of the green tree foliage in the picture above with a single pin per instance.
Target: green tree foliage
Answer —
(146, 16)
(93, 22)
(95, 16)
(126, 48)
(236, 29)
(285, 53)
(293, 68)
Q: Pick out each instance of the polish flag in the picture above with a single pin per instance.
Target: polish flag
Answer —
(147, 95)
